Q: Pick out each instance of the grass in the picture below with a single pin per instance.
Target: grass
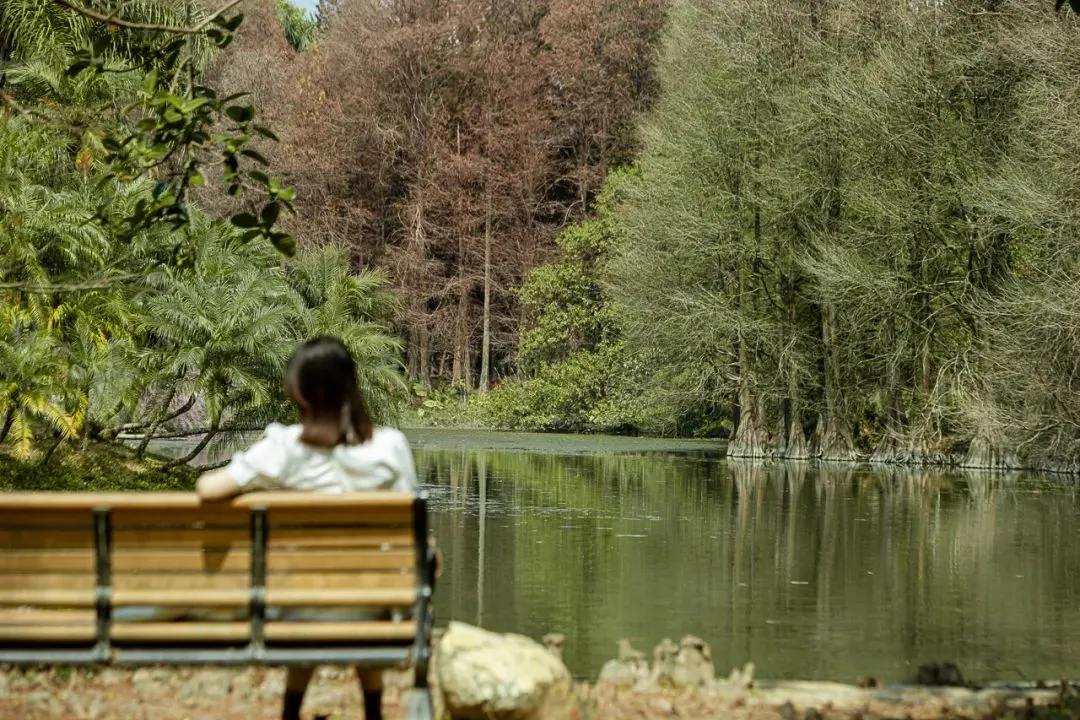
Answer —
(99, 467)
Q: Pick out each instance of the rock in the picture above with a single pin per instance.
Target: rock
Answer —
(629, 670)
(664, 663)
(627, 653)
(488, 676)
(555, 643)
(623, 674)
(693, 666)
(742, 678)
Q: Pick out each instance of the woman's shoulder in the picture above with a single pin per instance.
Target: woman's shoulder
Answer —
(283, 433)
(384, 434)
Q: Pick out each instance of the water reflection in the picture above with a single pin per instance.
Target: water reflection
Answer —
(812, 573)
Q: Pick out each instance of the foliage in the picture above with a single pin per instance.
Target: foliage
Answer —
(98, 469)
(115, 322)
(570, 345)
(172, 130)
(300, 30)
(847, 226)
(453, 142)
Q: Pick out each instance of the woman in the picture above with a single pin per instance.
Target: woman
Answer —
(336, 448)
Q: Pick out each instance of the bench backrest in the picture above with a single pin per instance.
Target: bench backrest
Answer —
(70, 561)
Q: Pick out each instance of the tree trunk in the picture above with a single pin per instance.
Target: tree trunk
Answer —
(792, 440)
(485, 359)
(425, 353)
(460, 373)
(156, 424)
(9, 420)
(983, 453)
(832, 438)
(199, 447)
(49, 453)
(889, 450)
(750, 436)
(413, 354)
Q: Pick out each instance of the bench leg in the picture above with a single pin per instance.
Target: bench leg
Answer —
(418, 704)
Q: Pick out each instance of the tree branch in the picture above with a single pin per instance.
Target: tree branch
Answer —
(131, 25)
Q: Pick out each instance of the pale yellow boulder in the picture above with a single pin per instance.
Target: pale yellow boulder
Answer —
(488, 676)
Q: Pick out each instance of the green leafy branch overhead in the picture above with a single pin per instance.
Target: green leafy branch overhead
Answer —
(177, 132)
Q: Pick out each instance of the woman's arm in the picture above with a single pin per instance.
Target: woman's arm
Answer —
(217, 485)
(261, 467)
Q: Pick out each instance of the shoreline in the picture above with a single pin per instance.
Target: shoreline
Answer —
(180, 693)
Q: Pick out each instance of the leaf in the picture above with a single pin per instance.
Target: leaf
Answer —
(255, 155)
(284, 243)
(234, 22)
(244, 220)
(270, 213)
(265, 132)
(259, 176)
(240, 113)
(77, 67)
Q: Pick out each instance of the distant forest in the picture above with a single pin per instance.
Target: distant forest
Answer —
(820, 228)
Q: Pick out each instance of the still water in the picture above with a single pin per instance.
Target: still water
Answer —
(814, 573)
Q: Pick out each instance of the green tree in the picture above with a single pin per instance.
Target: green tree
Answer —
(300, 30)
(570, 352)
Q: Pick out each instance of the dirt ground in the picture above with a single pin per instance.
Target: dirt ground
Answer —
(208, 693)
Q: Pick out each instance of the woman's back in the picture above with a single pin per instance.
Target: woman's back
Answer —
(282, 461)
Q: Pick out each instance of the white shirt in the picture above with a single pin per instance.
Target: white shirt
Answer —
(279, 461)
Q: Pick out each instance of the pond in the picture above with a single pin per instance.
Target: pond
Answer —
(811, 573)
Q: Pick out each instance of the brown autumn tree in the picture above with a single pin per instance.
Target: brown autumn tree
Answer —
(448, 142)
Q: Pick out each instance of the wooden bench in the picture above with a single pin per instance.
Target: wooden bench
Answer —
(69, 560)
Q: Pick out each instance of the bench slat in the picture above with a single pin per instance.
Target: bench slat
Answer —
(65, 560)
(310, 632)
(223, 538)
(22, 501)
(46, 538)
(179, 631)
(48, 598)
(279, 560)
(404, 597)
(180, 538)
(289, 517)
(205, 516)
(29, 519)
(341, 581)
(37, 616)
(182, 598)
(335, 537)
(47, 633)
(45, 560)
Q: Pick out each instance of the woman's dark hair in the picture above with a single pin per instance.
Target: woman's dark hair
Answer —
(321, 380)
